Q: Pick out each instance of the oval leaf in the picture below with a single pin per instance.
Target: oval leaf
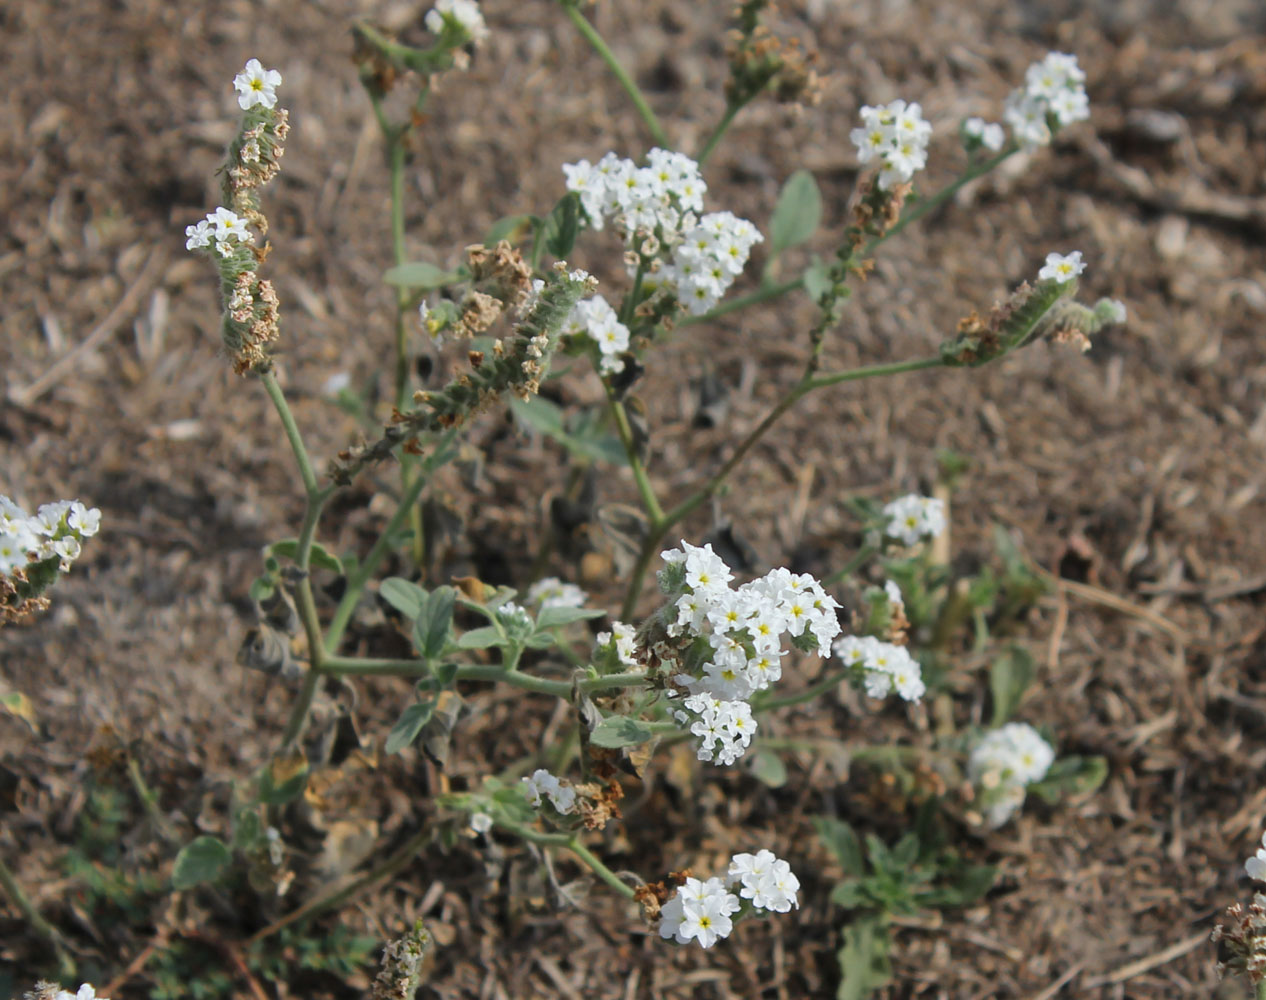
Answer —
(284, 779)
(619, 731)
(768, 768)
(406, 597)
(434, 621)
(318, 555)
(202, 860)
(1009, 678)
(797, 214)
(407, 727)
(421, 276)
(555, 616)
(481, 638)
(562, 225)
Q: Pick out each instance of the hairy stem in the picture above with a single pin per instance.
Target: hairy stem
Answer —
(718, 133)
(630, 87)
(650, 502)
(305, 603)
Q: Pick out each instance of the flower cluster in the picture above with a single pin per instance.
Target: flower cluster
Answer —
(1061, 268)
(561, 795)
(913, 518)
(658, 207)
(897, 135)
(702, 910)
(56, 531)
(979, 132)
(1053, 95)
(881, 667)
(551, 592)
(709, 257)
(621, 643)
(1002, 763)
(734, 640)
(465, 14)
(593, 317)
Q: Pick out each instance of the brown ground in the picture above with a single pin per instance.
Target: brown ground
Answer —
(1148, 449)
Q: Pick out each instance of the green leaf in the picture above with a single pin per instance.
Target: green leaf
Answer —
(284, 779)
(864, 963)
(407, 727)
(817, 279)
(510, 228)
(965, 886)
(406, 597)
(906, 851)
(434, 621)
(1070, 776)
(587, 440)
(852, 894)
(421, 276)
(553, 617)
(445, 674)
(539, 640)
(841, 840)
(797, 214)
(620, 731)
(563, 225)
(318, 556)
(202, 860)
(247, 829)
(481, 638)
(1009, 677)
(262, 588)
(768, 768)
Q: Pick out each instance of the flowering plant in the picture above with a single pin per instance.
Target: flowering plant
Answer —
(713, 654)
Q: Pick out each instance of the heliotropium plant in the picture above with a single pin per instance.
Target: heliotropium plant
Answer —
(708, 660)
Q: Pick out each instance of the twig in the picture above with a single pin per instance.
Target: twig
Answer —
(1110, 600)
(63, 365)
(1152, 961)
(1059, 983)
(138, 963)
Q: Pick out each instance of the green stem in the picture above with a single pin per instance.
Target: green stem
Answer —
(65, 964)
(305, 603)
(625, 431)
(630, 87)
(850, 567)
(718, 133)
(934, 201)
(149, 799)
(397, 150)
(601, 870)
(495, 673)
(573, 844)
(1259, 991)
(365, 570)
(762, 294)
(800, 697)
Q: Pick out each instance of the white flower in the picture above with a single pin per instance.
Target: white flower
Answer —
(551, 592)
(541, 783)
(480, 822)
(699, 911)
(989, 134)
(229, 226)
(256, 85)
(1053, 91)
(198, 235)
(465, 13)
(622, 639)
(913, 518)
(85, 992)
(1255, 866)
(897, 136)
(1061, 268)
(1003, 762)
